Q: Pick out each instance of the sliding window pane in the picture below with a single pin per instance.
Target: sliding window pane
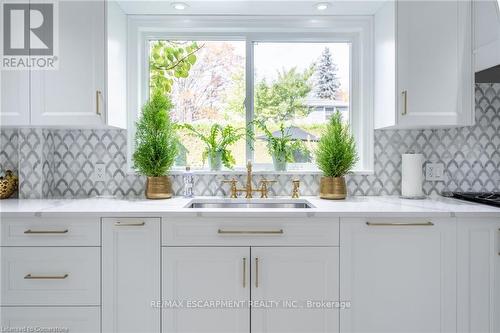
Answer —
(211, 91)
(299, 85)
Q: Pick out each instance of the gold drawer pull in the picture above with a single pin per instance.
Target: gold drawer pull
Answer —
(139, 224)
(45, 277)
(46, 232)
(250, 232)
(400, 224)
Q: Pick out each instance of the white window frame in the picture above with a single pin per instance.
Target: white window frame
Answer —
(356, 30)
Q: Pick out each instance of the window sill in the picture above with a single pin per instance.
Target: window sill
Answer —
(241, 171)
(266, 172)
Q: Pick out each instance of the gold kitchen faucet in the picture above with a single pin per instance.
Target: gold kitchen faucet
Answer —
(263, 185)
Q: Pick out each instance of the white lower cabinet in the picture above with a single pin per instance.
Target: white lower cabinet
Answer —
(131, 275)
(305, 283)
(479, 276)
(199, 274)
(50, 276)
(49, 319)
(277, 281)
(399, 275)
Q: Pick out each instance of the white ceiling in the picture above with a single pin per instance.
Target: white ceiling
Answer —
(253, 7)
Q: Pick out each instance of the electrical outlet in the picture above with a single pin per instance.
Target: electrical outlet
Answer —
(434, 171)
(99, 171)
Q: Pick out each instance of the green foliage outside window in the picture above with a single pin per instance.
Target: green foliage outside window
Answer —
(169, 60)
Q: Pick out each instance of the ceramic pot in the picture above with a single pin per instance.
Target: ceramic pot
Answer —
(158, 187)
(279, 163)
(215, 161)
(333, 188)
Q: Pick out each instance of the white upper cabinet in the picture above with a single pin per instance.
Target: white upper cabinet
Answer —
(486, 34)
(429, 43)
(399, 274)
(15, 98)
(76, 93)
(73, 95)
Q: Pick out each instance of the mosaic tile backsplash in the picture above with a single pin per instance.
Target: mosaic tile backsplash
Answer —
(55, 163)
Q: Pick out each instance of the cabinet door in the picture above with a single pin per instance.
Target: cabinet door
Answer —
(71, 95)
(292, 276)
(435, 74)
(131, 275)
(479, 276)
(205, 274)
(399, 275)
(14, 98)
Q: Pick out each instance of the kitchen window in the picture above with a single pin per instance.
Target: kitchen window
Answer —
(246, 71)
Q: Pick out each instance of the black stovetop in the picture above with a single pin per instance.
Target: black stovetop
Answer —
(488, 198)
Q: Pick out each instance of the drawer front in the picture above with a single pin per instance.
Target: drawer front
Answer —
(50, 276)
(47, 319)
(251, 232)
(50, 232)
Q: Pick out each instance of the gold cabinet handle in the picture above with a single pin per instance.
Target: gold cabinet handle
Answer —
(399, 224)
(137, 224)
(256, 272)
(98, 102)
(405, 102)
(250, 232)
(45, 232)
(45, 277)
(244, 272)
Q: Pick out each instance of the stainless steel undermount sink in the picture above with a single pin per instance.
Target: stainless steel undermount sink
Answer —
(252, 204)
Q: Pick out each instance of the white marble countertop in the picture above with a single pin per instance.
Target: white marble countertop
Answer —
(383, 206)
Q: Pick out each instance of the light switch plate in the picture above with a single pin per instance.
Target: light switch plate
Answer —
(99, 172)
(434, 171)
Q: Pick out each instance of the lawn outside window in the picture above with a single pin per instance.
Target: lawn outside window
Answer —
(248, 69)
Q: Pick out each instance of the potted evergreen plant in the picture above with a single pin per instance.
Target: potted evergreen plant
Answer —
(281, 147)
(156, 146)
(217, 143)
(335, 155)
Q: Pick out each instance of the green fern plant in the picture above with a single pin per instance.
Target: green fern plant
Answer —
(336, 152)
(217, 143)
(281, 148)
(156, 142)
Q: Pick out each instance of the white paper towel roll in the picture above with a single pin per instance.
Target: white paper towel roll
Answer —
(412, 175)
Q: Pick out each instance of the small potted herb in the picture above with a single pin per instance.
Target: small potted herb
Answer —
(156, 146)
(281, 146)
(335, 155)
(217, 143)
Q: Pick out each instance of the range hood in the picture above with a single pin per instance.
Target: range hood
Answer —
(490, 75)
(487, 39)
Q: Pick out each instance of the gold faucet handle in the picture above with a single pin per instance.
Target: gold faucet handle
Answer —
(295, 191)
(264, 188)
(234, 191)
